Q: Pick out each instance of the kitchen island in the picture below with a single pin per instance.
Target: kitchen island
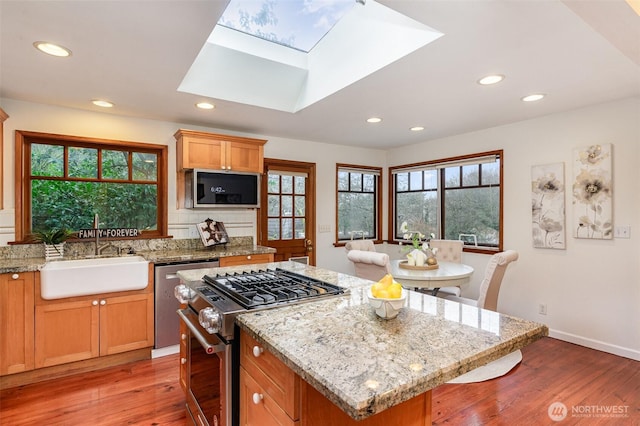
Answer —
(364, 364)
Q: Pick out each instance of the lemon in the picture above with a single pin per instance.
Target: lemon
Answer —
(395, 291)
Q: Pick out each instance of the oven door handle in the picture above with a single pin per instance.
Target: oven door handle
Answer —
(208, 347)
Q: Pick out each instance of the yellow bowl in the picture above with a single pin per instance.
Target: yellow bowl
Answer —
(387, 308)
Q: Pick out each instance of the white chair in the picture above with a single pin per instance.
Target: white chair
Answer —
(448, 251)
(490, 285)
(369, 265)
(364, 245)
(488, 299)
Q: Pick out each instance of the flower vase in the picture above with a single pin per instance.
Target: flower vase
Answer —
(53, 251)
(419, 256)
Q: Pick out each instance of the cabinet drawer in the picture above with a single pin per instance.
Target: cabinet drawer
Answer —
(246, 259)
(257, 407)
(276, 379)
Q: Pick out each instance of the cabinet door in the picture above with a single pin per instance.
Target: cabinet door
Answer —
(244, 157)
(257, 408)
(246, 259)
(126, 323)
(66, 332)
(16, 322)
(202, 153)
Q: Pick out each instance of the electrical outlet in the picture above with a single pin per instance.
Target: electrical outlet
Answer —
(542, 309)
(622, 231)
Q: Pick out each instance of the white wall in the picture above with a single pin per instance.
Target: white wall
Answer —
(591, 289)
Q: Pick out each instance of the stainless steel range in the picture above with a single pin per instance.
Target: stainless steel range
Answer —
(213, 304)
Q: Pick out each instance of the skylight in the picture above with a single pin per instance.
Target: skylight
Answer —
(299, 24)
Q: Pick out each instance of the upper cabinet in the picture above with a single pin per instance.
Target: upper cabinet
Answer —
(3, 117)
(200, 150)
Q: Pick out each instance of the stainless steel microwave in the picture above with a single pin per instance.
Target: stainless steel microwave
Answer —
(207, 189)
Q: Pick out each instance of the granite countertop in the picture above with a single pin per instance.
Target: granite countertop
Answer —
(28, 264)
(365, 364)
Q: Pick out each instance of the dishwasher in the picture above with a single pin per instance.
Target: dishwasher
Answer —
(167, 324)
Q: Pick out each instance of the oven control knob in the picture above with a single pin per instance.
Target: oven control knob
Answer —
(183, 293)
(209, 320)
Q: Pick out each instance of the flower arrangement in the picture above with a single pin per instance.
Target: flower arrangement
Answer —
(420, 251)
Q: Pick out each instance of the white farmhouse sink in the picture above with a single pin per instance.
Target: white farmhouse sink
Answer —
(69, 278)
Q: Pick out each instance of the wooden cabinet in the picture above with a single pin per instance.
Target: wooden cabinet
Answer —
(200, 150)
(246, 259)
(184, 348)
(16, 322)
(269, 390)
(79, 328)
(272, 394)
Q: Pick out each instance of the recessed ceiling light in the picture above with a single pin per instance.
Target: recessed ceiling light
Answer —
(205, 105)
(52, 49)
(534, 97)
(374, 120)
(417, 129)
(101, 103)
(491, 79)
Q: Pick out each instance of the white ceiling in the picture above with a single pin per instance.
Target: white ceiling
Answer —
(136, 53)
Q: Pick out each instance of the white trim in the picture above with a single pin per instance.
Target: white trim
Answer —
(596, 344)
(168, 350)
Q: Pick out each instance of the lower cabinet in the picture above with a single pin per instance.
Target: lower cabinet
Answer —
(272, 394)
(80, 328)
(184, 348)
(16, 322)
(246, 259)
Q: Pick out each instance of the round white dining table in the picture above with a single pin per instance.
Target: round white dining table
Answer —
(448, 274)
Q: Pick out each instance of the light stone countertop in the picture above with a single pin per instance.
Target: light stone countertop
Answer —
(365, 364)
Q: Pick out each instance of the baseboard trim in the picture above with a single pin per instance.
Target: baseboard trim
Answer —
(168, 350)
(596, 344)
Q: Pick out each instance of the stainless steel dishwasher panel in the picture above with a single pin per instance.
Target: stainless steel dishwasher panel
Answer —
(167, 324)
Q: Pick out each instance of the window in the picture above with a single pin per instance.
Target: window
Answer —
(66, 180)
(358, 203)
(456, 198)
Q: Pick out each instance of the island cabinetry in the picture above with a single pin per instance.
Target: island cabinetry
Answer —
(200, 150)
(246, 259)
(184, 341)
(79, 328)
(269, 390)
(273, 394)
(16, 322)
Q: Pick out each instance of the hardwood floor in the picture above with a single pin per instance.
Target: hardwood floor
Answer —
(147, 393)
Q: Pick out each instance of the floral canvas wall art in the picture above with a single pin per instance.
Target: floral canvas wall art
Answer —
(593, 192)
(548, 206)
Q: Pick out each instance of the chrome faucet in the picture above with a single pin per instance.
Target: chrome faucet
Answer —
(96, 227)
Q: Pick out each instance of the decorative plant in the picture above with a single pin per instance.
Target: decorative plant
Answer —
(418, 239)
(52, 236)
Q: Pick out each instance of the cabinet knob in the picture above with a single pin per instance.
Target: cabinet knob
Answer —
(15, 276)
(249, 257)
(103, 302)
(183, 361)
(257, 397)
(183, 336)
(257, 351)
(94, 303)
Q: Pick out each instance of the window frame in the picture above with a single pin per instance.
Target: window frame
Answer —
(377, 203)
(442, 164)
(23, 141)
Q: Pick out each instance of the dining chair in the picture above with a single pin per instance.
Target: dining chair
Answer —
(490, 285)
(448, 251)
(364, 245)
(488, 299)
(369, 265)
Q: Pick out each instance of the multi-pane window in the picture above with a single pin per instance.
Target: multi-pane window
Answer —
(358, 203)
(452, 199)
(67, 182)
(286, 205)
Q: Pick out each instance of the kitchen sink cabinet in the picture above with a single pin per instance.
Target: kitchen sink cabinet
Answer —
(200, 150)
(80, 328)
(16, 322)
(246, 259)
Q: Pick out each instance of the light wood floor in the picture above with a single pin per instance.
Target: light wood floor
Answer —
(148, 393)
